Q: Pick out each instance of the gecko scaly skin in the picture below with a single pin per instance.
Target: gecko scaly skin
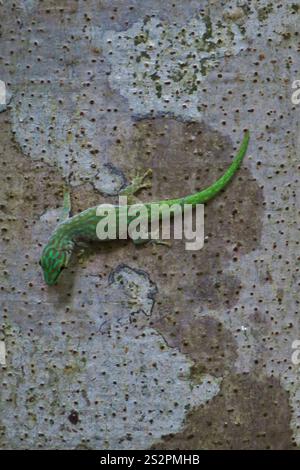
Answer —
(56, 254)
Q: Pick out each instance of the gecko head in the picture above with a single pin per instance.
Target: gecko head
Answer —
(53, 261)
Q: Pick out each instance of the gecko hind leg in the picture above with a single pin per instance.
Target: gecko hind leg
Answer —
(140, 181)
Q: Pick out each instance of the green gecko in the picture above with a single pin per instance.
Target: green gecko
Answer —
(71, 230)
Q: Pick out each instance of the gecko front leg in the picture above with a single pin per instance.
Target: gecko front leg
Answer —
(66, 213)
(66, 209)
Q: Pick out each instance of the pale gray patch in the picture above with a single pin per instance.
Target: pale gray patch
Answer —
(61, 127)
(8, 98)
(158, 66)
(109, 180)
(138, 383)
(137, 286)
(206, 390)
(49, 221)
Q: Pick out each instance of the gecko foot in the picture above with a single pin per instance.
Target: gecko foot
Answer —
(138, 183)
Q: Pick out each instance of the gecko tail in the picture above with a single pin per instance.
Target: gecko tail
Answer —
(210, 192)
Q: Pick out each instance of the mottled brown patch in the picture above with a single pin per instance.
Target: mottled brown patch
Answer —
(219, 289)
(248, 413)
(205, 340)
(85, 196)
(27, 188)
